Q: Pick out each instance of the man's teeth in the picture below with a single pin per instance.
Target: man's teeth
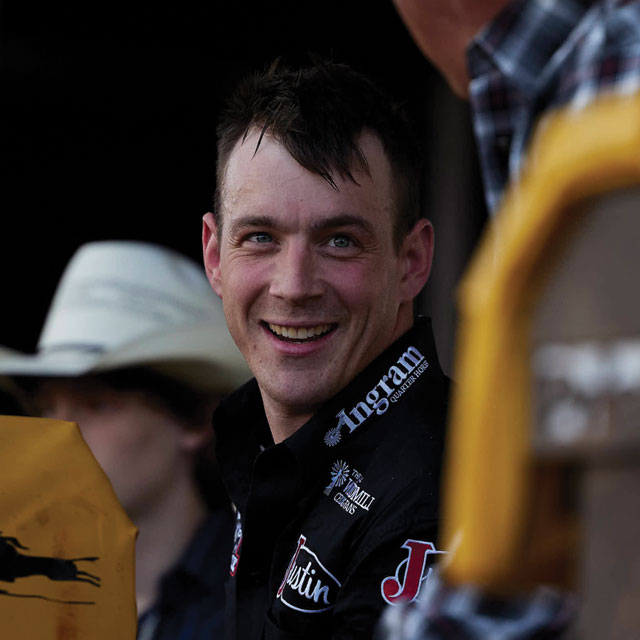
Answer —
(302, 333)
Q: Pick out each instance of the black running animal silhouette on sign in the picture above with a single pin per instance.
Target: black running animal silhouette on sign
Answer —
(14, 564)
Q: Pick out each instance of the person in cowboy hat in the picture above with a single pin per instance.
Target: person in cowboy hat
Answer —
(136, 351)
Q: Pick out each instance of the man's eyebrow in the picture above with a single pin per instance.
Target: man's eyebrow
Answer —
(342, 220)
(322, 224)
(251, 222)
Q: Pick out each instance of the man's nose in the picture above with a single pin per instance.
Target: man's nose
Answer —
(296, 275)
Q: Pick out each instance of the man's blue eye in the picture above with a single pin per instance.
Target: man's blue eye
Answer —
(260, 237)
(340, 242)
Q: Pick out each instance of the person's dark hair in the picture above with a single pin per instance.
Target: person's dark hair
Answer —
(13, 403)
(317, 114)
(193, 409)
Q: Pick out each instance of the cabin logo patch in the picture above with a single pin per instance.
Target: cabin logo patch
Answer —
(308, 586)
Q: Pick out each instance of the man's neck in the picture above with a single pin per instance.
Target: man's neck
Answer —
(164, 533)
(283, 421)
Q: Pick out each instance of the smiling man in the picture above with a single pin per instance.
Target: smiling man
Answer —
(332, 454)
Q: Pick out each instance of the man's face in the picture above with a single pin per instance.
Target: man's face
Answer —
(312, 287)
(140, 447)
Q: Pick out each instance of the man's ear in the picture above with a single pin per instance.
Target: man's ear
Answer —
(416, 256)
(211, 251)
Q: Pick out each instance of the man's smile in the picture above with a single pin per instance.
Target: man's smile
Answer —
(300, 334)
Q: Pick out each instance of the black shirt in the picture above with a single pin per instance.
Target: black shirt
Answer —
(190, 605)
(340, 518)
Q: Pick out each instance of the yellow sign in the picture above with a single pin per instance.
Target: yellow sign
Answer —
(66, 545)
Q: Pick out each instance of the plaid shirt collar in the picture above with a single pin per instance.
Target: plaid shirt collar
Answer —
(522, 40)
(510, 62)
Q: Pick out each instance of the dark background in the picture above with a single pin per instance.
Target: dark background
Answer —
(107, 128)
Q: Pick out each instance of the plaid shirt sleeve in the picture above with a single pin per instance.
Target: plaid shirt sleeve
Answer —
(537, 56)
(464, 613)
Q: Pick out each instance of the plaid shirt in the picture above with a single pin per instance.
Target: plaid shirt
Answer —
(464, 613)
(541, 54)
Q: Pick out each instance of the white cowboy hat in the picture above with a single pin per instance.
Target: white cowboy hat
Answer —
(132, 304)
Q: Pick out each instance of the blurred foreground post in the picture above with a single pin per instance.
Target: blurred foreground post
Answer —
(544, 461)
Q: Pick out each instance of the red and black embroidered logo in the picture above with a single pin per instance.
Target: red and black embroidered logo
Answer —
(410, 573)
(237, 546)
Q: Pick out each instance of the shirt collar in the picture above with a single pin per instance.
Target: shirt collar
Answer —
(521, 41)
(242, 431)
(313, 436)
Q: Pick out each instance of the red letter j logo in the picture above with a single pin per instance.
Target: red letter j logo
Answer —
(394, 588)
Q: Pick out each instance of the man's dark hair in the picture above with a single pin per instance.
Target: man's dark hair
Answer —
(317, 114)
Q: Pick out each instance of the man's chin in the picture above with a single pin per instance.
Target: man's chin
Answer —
(297, 395)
